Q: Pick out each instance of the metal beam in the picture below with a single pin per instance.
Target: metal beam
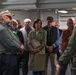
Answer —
(56, 3)
(19, 4)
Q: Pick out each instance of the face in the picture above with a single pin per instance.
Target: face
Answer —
(49, 24)
(70, 24)
(6, 19)
(37, 26)
(14, 25)
(27, 24)
(57, 25)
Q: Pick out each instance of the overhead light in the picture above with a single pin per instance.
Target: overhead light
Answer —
(56, 11)
(63, 11)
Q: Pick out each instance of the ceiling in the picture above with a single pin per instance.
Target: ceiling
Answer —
(38, 5)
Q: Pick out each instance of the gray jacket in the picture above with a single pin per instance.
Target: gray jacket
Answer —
(9, 43)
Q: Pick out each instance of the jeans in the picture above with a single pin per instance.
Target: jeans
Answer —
(37, 73)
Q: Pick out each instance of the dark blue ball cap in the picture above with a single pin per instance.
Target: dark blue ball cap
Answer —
(50, 18)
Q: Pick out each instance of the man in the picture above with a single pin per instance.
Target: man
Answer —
(67, 33)
(9, 46)
(59, 40)
(51, 46)
(69, 47)
(57, 24)
(23, 35)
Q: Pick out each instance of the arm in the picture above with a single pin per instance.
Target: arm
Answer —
(60, 43)
(56, 43)
(29, 39)
(10, 41)
(43, 42)
(20, 37)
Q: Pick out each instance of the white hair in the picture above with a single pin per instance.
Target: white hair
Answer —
(15, 21)
(27, 20)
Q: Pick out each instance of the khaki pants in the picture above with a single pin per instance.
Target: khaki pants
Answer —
(53, 62)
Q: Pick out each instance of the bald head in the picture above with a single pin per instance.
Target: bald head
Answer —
(57, 24)
(70, 24)
(70, 20)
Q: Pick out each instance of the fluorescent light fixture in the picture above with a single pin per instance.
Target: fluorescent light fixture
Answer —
(63, 11)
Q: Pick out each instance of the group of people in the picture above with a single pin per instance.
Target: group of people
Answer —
(33, 46)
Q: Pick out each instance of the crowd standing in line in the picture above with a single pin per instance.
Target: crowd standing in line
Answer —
(16, 46)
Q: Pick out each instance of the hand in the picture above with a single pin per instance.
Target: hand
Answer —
(34, 51)
(58, 67)
(50, 48)
(22, 48)
(61, 53)
(19, 53)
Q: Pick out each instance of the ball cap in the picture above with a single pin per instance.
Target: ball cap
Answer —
(50, 18)
(6, 13)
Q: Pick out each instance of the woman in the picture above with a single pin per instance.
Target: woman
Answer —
(37, 62)
(14, 26)
(19, 24)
